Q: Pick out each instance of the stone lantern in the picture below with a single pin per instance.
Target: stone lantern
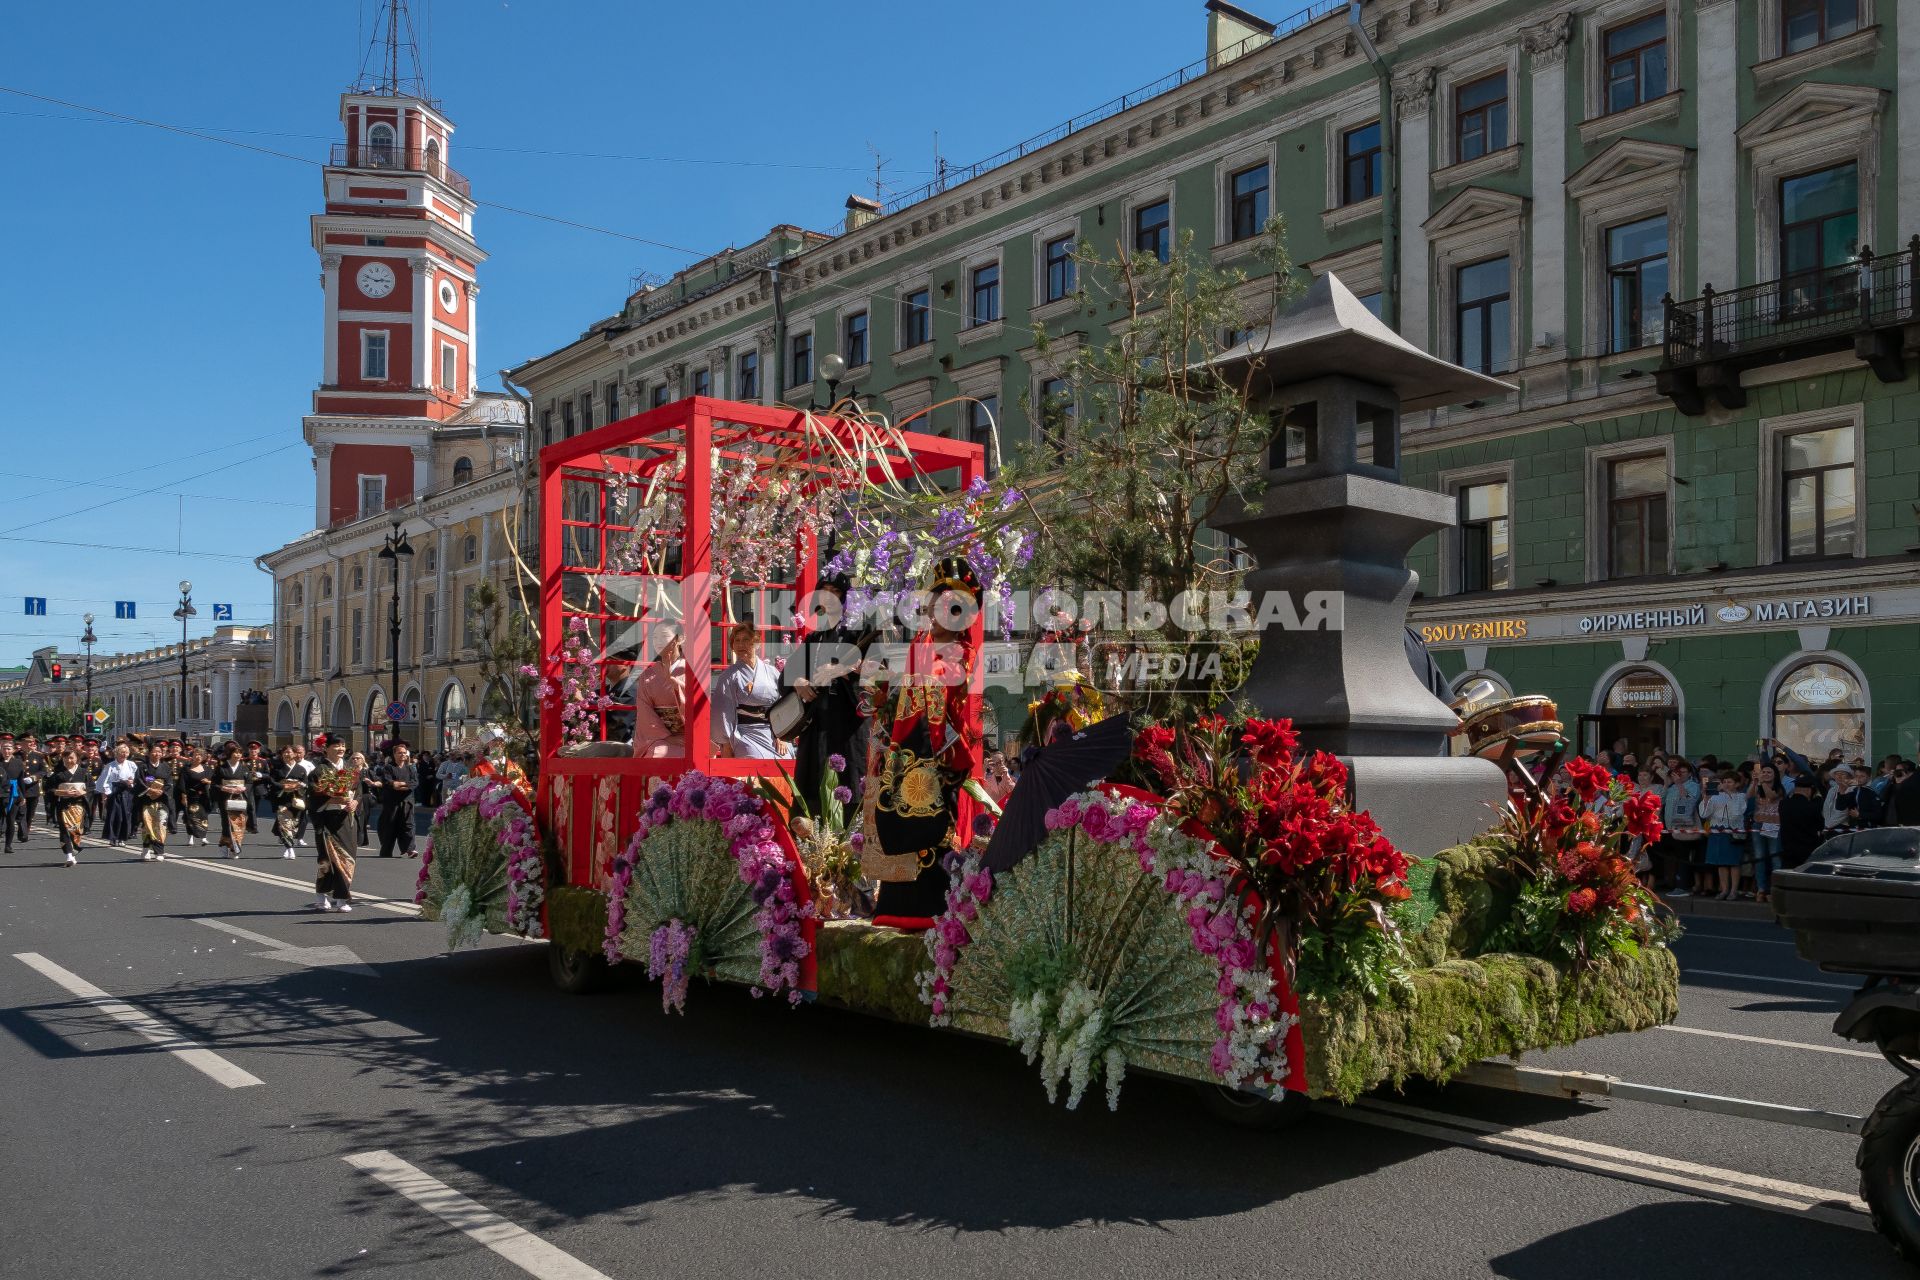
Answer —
(1335, 523)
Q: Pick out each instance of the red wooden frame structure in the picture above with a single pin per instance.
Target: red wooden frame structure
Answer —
(589, 804)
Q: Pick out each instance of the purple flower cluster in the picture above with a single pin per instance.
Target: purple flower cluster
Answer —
(669, 952)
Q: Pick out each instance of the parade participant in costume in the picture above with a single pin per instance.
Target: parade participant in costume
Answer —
(190, 797)
(743, 691)
(231, 787)
(336, 793)
(115, 789)
(923, 787)
(259, 783)
(67, 797)
(660, 698)
(363, 811)
(1068, 706)
(303, 769)
(13, 772)
(289, 799)
(394, 782)
(501, 767)
(829, 684)
(34, 768)
(152, 793)
(92, 763)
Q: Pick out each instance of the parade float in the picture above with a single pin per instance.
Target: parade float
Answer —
(1341, 885)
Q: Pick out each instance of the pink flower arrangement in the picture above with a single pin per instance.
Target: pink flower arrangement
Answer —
(743, 821)
(1251, 1049)
(526, 869)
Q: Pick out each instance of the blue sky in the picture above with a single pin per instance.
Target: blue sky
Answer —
(160, 308)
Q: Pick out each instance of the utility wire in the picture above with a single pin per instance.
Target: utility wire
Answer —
(197, 497)
(84, 511)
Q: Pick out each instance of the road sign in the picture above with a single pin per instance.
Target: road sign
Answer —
(223, 613)
(396, 712)
(100, 715)
(36, 606)
(123, 609)
(226, 727)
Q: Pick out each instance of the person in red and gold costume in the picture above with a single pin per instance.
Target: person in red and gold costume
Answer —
(495, 763)
(923, 788)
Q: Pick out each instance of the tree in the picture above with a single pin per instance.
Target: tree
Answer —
(19, 717)
(508, 650)
(1148, 443)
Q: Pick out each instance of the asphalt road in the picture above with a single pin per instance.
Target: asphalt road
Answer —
(199, 1118)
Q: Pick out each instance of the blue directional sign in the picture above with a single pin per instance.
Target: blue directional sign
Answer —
(36, 606)
(223, 613)
(123, 609)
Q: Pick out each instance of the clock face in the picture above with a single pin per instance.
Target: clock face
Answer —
(375, 280)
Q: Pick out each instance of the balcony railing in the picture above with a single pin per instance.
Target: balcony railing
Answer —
(1863, 303)
(354, 155)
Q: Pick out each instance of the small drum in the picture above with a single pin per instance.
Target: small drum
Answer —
(156, 789)
(1531, 723)
(71, 791)
(789, 716)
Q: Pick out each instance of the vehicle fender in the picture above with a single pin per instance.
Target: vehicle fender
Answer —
(1881, 1015)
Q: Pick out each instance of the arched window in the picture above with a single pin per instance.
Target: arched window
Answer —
(380, 150)
(376, 711)
(469, 549)
(342, 712)
(173, 712)
(310, 718)
(433, 559)
(433, 156)
(1818, 706)
(453, 712)
(283, 720)
(463, 470)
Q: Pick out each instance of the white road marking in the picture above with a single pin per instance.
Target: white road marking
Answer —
(1782, 1044)
(328, 957)
(516, 1244)
(205, 1061)
(267, 877)
(1756, 977)
(238, 932)
(1837, 1207)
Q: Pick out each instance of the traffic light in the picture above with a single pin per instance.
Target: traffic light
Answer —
(56, 673)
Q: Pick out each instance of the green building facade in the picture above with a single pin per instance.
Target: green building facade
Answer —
(1693, 523)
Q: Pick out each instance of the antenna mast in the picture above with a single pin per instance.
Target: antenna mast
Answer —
(392, 64)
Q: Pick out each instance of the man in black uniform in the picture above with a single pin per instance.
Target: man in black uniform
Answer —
(393, 784)
(259, 771)
(34, 768)
(12, 772)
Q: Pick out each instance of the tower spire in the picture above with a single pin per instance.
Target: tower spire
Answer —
(392, 66)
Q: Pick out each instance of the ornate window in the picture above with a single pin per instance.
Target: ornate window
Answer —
(462, 474)
(1818, 706)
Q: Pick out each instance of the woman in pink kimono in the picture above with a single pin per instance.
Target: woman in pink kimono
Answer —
(660, 700)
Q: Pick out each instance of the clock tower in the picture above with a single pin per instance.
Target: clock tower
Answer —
(398, 260)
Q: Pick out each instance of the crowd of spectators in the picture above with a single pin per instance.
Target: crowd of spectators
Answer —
(1730, 824)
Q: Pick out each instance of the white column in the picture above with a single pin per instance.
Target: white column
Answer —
(330, 315)
(1413, 99)
(1547, 48)
(1717, 149)
(442, 643)
(422, 469)
(473, 350)
(422, 322)
(322, 484)
(1907, 120)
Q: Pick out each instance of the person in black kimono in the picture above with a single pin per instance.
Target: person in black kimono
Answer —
(259, 782)
(363, 811)
(334, 789)
(289, 792)
(67, 799)
(190, 798)
(828, 681)
(153, 792)
(230, 788)
(393, 783)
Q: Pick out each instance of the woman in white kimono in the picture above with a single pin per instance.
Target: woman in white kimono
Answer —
(742, 693)
(660, 700)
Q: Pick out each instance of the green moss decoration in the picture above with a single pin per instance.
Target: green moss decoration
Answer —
(870, 969)
(577, 918)
(1465, 1009)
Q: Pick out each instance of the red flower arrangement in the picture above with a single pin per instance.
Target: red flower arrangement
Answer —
(1320, 873)
(1571, 852)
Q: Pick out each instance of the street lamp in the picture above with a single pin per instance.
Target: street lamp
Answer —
(397, 546)
(833, 367)
(185, 611)
(87, 639)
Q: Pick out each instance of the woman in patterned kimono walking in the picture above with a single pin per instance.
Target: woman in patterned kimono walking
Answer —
(335, 787)
(231, 784)
(67, 793)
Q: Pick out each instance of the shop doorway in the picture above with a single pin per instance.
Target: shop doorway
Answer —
(1641, 707)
